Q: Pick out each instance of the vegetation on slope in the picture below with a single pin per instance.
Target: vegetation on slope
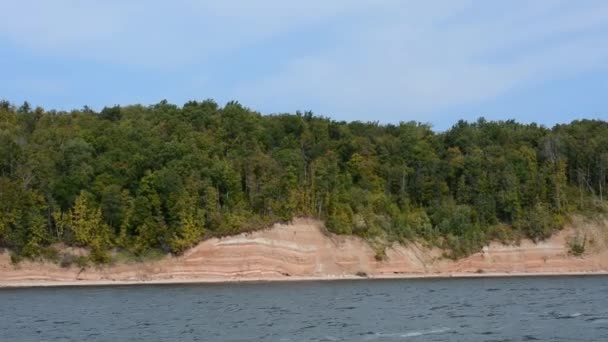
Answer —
(160, 178)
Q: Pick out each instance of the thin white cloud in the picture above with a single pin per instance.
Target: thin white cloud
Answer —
(421, 60)
(157, 34)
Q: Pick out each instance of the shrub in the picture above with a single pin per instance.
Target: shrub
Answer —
(16, 258)
(67, 260)
(577, 245)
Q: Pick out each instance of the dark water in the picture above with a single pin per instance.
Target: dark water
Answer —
(516, 309)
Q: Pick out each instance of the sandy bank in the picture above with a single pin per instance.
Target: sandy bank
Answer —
(302, 251)
(54, 283)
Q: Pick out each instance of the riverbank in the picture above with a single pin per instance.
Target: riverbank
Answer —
(95, 283)
(304, 251)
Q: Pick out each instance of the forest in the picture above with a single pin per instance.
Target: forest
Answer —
(150, 180)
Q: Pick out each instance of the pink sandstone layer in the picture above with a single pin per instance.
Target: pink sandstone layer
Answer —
(304, 250)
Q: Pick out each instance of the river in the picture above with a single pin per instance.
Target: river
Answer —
(487, 309)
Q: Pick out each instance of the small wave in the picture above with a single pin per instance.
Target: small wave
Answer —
(346, 308)
(307, 327)
(408, 334)
(439, 307)
(598, 320)
(425, 332)
(558, 315)
(453, 315)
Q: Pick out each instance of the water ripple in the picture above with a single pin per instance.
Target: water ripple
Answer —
(516, 309)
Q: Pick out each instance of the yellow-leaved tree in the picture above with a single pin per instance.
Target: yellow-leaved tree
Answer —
(89, 229)
(190, 228)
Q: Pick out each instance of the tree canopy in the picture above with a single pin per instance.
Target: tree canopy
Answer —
(162, 177)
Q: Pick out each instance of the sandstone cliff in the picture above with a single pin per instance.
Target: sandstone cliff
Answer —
(303, 250)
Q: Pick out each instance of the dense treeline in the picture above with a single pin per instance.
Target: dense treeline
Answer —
(160, 178)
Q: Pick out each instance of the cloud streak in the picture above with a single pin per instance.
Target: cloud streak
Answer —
(420, 62)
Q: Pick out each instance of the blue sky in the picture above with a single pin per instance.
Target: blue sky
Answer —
(370, 60)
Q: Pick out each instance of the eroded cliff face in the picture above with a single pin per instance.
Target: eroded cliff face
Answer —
(302, 249)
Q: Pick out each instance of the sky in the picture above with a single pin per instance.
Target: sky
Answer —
(432, 61)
